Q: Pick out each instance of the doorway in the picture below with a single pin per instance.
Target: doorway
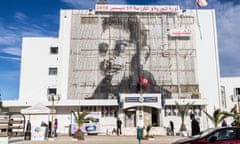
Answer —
(130, 117)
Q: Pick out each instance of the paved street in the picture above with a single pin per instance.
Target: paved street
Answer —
(107, 140)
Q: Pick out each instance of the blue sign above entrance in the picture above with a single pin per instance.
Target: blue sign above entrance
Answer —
(141, 99)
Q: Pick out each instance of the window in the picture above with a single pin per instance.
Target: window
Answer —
(52, 71)
(52, 91)
(89, 20)
(236, 93)
(226, 134)
(53, 50)
(109, 111)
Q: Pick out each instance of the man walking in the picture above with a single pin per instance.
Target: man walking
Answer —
(172, 128)
(119, 127)
(195, 125)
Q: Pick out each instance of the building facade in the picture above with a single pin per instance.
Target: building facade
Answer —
(230, 92)
(124, 61)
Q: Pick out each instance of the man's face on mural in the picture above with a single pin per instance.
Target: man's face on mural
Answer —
(121, 44)
(123, 51)
(115, 49)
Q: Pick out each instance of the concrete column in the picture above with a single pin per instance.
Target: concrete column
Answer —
(140, 117)
(161, 115)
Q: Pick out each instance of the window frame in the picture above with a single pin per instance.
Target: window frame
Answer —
(54, 50)
(52, 71)
(51, 90)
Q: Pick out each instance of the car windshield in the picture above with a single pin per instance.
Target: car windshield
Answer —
(205, 132)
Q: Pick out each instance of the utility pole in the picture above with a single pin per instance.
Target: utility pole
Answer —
(53, 97)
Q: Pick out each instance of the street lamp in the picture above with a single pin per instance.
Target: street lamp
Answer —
(53, 97)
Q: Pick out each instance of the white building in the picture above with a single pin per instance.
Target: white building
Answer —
(230, 92)
(150, 57)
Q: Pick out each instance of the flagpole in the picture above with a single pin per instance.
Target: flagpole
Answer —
(139, 69)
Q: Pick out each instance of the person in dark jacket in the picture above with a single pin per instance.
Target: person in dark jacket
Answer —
(172, 128)
(119, 126)
(194, 125)
(28, 131)
(50, 129)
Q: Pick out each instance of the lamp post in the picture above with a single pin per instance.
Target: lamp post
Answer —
(53, 97)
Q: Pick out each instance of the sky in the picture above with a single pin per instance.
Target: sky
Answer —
(40, 18)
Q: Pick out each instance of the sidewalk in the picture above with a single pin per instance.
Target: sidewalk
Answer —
(107, 140)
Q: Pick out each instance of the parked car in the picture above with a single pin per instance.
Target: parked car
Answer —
(222, 135)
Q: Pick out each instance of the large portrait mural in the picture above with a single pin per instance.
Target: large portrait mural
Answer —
(115, 54)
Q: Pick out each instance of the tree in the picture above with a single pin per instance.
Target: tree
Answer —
(216, 117)
(183, 109)
(80, 118)
(234, 114)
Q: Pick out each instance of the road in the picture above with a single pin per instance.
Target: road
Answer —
(106, 140)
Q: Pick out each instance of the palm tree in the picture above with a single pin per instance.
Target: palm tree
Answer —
(216, 117)
(235, 114)
(80, 118)
(183, 110)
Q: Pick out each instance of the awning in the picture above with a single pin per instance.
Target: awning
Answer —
(39, 108)
(202, 102)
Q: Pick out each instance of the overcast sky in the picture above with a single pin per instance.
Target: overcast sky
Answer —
(30, 18)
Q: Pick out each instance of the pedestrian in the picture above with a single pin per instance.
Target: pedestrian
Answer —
(44, 125)
(49, 129)
(171, 128)
(194, 125)
(28, 131)
(10, 126)
(224, 123)
(55, 127)
(119, 126)
(233, 123)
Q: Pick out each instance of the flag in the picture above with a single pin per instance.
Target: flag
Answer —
(144, 81)
(202, 3)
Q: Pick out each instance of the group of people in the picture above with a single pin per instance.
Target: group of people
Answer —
(49, 132)
(43, 124)
(194, 126)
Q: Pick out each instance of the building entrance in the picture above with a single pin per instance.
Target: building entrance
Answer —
(150, 116)
(130, 117)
